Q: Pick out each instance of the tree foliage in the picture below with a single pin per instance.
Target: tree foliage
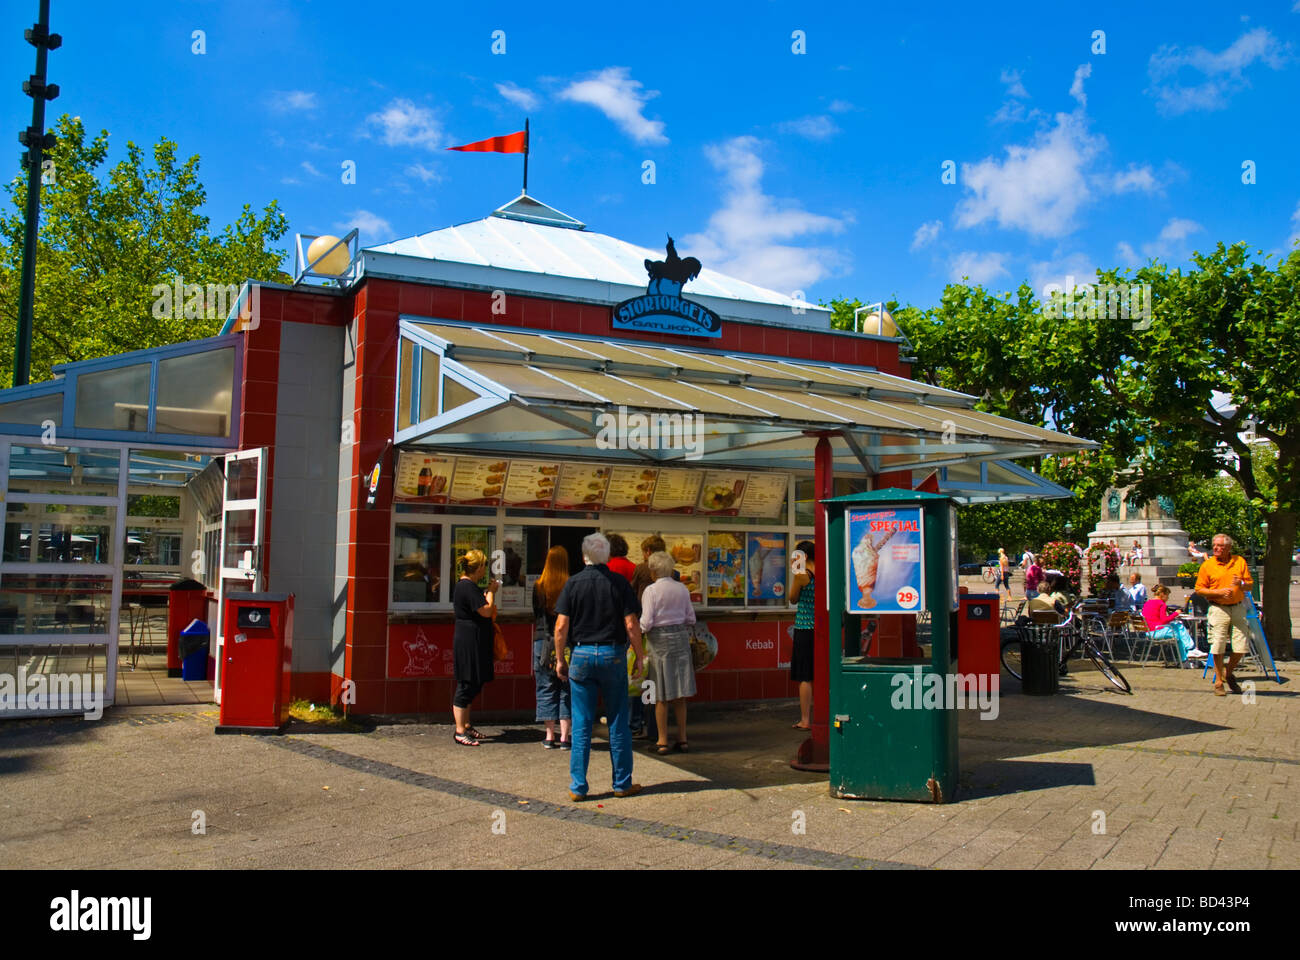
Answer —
(107, 238)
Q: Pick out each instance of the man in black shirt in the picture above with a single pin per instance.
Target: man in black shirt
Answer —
(598, 614)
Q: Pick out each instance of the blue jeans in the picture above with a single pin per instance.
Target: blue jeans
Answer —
(596, 672)
(552, 692)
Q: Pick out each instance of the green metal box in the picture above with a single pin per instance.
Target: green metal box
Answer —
(893, 723)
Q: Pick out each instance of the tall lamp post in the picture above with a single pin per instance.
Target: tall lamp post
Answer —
(37, 141)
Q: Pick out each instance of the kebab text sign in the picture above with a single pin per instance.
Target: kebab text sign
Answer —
(886, 552)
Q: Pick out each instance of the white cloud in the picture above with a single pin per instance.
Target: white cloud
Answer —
(1222, 72)
(615, 94)
(403, 123)
(1295, 217)
(812, 128)
(925, 233)
(521, 97)
(423, 173)
(1065, 273)
(311, 169)
(1038, 188)
(1081, 73)
(371, 225)
(1135, 178)
(1169, 244)
(977, 267)
(284, 101)
(1126, 254)
(843, 106)
(748, 237)
(1014, 87)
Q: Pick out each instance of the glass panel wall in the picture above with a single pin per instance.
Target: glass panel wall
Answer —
(116, 399)
(195, 393)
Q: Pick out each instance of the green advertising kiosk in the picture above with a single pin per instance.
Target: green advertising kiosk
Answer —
(892, 554)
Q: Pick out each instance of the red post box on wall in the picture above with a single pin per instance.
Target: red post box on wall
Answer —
(258, 659)
(979, 625)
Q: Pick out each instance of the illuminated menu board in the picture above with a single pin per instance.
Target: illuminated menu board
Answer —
(422, 478)
(677, 491)
(631, 488)
(478, 481)
(721, 493)
(530, 483)
(764, 495)
(581, 486)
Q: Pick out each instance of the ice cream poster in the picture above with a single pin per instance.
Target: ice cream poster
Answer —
(886, 551)
(767, 566)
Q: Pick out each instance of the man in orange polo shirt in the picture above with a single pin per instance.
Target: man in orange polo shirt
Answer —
(1223, 580)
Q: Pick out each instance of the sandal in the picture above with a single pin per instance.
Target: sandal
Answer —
(663, 749)
(465, 739)
(471, 732)
(800, 726)
(681, 746)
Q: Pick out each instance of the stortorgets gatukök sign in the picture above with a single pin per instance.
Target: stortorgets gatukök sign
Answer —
(662, 307)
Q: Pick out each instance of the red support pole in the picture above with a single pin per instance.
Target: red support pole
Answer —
(814, 753)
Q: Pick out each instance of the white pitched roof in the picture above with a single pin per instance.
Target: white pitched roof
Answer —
(531, 248)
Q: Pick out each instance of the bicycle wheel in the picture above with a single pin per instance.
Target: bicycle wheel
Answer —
(987, 574)
(1108, 669)
(1010, 653)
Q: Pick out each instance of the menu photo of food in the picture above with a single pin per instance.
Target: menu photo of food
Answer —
(530, 483)
(677, 491)
(478, 481)
(687, 551)
(722, 492)
(726, 566)
(581, 486)
(764, 495)
(422, 478)
(631, 488)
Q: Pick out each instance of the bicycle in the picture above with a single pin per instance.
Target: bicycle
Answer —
(1080, 633)
(990, 574)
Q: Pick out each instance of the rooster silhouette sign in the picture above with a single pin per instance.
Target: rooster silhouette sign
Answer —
(662, 307)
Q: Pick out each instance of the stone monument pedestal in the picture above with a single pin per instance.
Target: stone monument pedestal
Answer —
(1152, 525)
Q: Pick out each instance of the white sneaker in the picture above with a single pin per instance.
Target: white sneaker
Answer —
(1196, 655)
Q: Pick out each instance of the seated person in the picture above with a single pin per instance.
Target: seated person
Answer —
(1163, 623)
(1113, 594)
(1052, 598)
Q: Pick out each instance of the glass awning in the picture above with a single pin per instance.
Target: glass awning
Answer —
(477, 388)
(184, 394)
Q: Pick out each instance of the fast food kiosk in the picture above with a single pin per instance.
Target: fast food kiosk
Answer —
(892, 555)
(508, 384)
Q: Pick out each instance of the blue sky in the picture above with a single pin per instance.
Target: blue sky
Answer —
(818, 171)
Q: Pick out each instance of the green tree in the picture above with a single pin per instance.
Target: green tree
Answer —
(106, 242)
(1144, 387)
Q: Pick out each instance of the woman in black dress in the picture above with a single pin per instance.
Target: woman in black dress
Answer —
(472, 643)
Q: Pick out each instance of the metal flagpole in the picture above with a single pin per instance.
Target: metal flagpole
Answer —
(525, 154)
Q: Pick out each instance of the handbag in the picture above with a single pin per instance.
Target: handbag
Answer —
(704, 645)
(500, 649)
(545, 660)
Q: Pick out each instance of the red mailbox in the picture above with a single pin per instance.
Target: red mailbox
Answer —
(979, 638)
(258, 658)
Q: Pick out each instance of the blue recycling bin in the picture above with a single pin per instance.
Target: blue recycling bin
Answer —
(194, 651)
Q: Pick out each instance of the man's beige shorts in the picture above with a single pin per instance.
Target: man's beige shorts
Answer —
(1223, 621)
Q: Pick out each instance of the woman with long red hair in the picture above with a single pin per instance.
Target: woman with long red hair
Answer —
(552, 692)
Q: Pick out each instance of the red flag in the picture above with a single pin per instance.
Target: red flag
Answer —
(510, 143)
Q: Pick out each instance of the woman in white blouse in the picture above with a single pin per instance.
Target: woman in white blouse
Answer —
(666, 616)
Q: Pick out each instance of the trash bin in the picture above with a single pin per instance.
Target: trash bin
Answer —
(193, 644)
(1040, 665)
(186, 600)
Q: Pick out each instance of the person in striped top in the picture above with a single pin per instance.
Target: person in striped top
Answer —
(803, 594)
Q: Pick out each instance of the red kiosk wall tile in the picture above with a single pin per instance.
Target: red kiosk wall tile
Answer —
(751, 684)
(777, 342)
(566, 317)
(369, 628)
(371, 696)
(315, 687)
(726, 686)
(382, 295)
(537, 314)
(435, 695)
(704, 685)
(415, 298)
(370, 593)
(844, 350)
(447, 303)
(403, 697)
(261, 365)
(420, 650)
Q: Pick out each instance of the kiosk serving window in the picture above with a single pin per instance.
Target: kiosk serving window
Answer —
(729, 532)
